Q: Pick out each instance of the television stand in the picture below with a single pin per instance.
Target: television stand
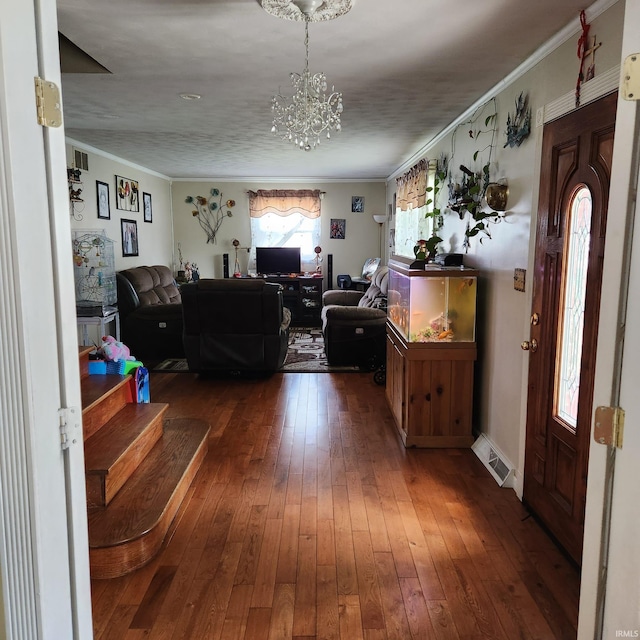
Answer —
(302, 295)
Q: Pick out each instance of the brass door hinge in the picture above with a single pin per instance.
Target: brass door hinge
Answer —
(609, 426)
(70, 427)
(631, 77)
(48, 103)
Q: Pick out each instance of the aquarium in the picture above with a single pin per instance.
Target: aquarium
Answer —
(434, 304)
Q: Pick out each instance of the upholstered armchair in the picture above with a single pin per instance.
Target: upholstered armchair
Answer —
(150, 312)
(234, 325)
(354, 323)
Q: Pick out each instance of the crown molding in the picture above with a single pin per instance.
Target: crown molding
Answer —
(542, 52)
(285, 180)
(109, 156)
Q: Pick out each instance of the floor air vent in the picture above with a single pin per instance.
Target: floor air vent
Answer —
(493, 459)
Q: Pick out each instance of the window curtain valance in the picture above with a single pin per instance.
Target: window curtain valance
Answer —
(411, 188)
(284, 202)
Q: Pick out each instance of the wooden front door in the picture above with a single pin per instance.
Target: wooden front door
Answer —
(572, 215)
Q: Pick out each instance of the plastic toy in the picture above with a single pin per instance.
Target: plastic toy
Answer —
(113, 350)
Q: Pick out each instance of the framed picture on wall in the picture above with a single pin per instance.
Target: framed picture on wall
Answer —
(127, 196)
(357, 204)
(102, 199)
(338, 229)
(146, 207)
(129, 230)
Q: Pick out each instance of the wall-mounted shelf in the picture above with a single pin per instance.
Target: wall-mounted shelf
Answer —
(76, 203)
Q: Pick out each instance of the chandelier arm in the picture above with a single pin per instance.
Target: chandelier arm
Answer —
(306, 44)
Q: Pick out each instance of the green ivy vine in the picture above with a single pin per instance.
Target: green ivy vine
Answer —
(466, 197)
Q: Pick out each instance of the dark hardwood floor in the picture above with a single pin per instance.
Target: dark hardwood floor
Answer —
(309, 519)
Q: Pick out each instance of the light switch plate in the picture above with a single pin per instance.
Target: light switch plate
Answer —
(519, 277)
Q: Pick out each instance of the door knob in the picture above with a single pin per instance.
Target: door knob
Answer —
(530, 345)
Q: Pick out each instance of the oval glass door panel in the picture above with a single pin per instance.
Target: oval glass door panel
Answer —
(572, 303)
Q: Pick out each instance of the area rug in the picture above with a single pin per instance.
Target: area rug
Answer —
(304, 355)
(172, 365)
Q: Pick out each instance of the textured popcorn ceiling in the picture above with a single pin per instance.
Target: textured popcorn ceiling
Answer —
(406, 69)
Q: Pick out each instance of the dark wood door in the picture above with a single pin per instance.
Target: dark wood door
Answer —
(572, 215)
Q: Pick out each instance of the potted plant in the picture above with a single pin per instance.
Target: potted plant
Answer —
(425, 250)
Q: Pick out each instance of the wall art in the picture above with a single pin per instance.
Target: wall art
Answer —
(518, 125)
(146, 207)
(357, 204)
(338, 229)
(127, 196)
(102, 199)
(129, 230)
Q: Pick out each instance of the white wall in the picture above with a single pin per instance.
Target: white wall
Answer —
(362, 232)
(155, 238)
(503, 312)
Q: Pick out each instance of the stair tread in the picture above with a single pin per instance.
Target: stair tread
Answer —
(105, 447)
(140, 504)
(95, 387)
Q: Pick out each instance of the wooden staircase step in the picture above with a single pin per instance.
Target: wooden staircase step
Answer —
(102, 397)
(83, 354)
(113, 452)
(129, 532)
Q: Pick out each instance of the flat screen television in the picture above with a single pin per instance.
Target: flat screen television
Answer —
(272, 261)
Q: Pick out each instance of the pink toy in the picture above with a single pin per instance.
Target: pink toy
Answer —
(114, 350)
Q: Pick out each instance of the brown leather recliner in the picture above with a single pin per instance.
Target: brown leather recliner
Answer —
(354, 323)
(150, 312)
(234, 325)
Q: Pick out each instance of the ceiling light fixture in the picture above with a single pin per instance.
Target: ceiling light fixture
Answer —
(316, 10)
(310, 112)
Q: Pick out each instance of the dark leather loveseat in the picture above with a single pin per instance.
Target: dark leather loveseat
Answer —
(150, 308)
(234, 325)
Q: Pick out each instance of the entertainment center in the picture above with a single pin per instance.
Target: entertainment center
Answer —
(302, 294)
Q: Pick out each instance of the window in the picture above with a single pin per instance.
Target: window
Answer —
(574, 289)
(285, 218)
(411, 221)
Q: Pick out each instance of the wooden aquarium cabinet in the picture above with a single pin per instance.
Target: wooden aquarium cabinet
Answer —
(431, 351)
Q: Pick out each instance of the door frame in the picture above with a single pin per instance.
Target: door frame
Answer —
(608, 499)
(599, 614)
(44, 559)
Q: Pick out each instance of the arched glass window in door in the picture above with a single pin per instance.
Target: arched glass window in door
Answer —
(572, 305)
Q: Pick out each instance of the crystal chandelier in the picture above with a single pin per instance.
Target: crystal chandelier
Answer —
(310, 112)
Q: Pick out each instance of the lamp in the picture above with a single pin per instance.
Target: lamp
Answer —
(380, 219)
(309, 113)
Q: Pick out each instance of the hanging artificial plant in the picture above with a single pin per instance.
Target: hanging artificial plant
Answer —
(210, 212)
(467, 196)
